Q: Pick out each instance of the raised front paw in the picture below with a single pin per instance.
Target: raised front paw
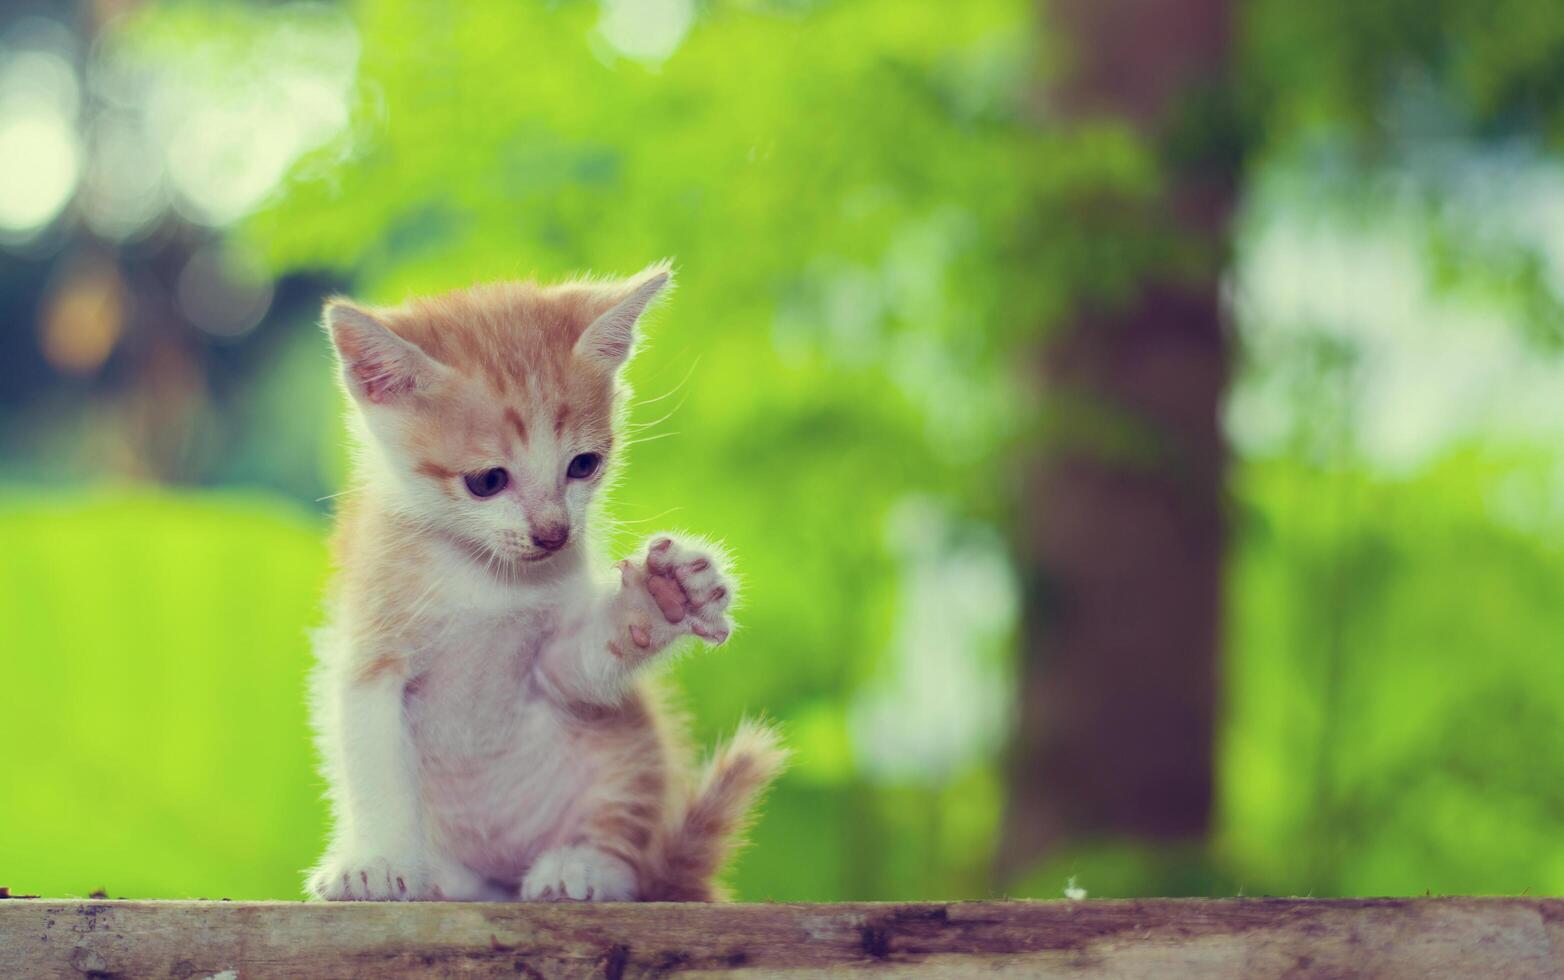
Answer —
(371, 879)
(683, 588)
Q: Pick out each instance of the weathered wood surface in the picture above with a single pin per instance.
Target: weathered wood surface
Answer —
(1379, 938)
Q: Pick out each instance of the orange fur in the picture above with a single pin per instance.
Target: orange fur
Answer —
(706, 829)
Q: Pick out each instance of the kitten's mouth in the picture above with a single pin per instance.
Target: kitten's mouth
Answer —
(511, 548)
(514, 559)
(502, 563)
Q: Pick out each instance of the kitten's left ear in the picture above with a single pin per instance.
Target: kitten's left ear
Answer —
(610, 339)
(377, 365)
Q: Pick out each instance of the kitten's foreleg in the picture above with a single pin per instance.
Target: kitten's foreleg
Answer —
(678, 588)
(377, 852)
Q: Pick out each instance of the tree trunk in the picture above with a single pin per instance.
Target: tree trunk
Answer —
(1122, 554)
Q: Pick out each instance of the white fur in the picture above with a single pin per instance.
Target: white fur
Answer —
(582, 874)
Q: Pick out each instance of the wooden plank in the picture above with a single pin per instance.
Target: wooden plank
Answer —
(1383, 938)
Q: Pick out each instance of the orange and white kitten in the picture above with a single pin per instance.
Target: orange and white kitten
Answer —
(484, 733)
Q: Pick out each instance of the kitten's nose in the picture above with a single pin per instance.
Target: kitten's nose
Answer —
(551, 537)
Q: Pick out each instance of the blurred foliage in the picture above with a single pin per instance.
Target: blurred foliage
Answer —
(1395, 702)
(873, 225)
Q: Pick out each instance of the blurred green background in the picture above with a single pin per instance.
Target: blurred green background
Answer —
(1032, 358)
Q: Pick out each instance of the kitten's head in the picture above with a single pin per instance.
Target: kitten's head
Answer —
(495, 408)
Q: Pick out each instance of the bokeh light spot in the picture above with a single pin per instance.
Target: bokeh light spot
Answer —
(224, 291)
(39, 164)
(40, 160)
(124, 191)
(84, 319)
(647, 30)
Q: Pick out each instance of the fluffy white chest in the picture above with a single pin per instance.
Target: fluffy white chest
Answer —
(499, 773)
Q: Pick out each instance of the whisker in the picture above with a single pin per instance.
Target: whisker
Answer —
(682, 381)
(641, 426)
(339, 493)
(652, 438)
(424, 601)
(616, 522)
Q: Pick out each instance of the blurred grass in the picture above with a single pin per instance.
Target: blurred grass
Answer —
(154, 668)
(1395, 724)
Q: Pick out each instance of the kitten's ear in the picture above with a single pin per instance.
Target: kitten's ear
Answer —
(610, 339)
(377, 365)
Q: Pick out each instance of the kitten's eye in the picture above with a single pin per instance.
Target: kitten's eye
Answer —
(583, 466)
(487, 483)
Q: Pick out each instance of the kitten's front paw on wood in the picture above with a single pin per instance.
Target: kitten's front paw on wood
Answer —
(578, 874)
(684, 588)
(372, 879)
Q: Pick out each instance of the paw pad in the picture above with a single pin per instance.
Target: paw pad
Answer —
(689, 588)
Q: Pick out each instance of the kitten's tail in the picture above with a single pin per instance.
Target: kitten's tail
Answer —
(698, 840)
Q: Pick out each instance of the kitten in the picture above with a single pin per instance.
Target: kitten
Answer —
(484, 731)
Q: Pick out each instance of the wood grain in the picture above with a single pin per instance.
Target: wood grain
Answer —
(1381, 938)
